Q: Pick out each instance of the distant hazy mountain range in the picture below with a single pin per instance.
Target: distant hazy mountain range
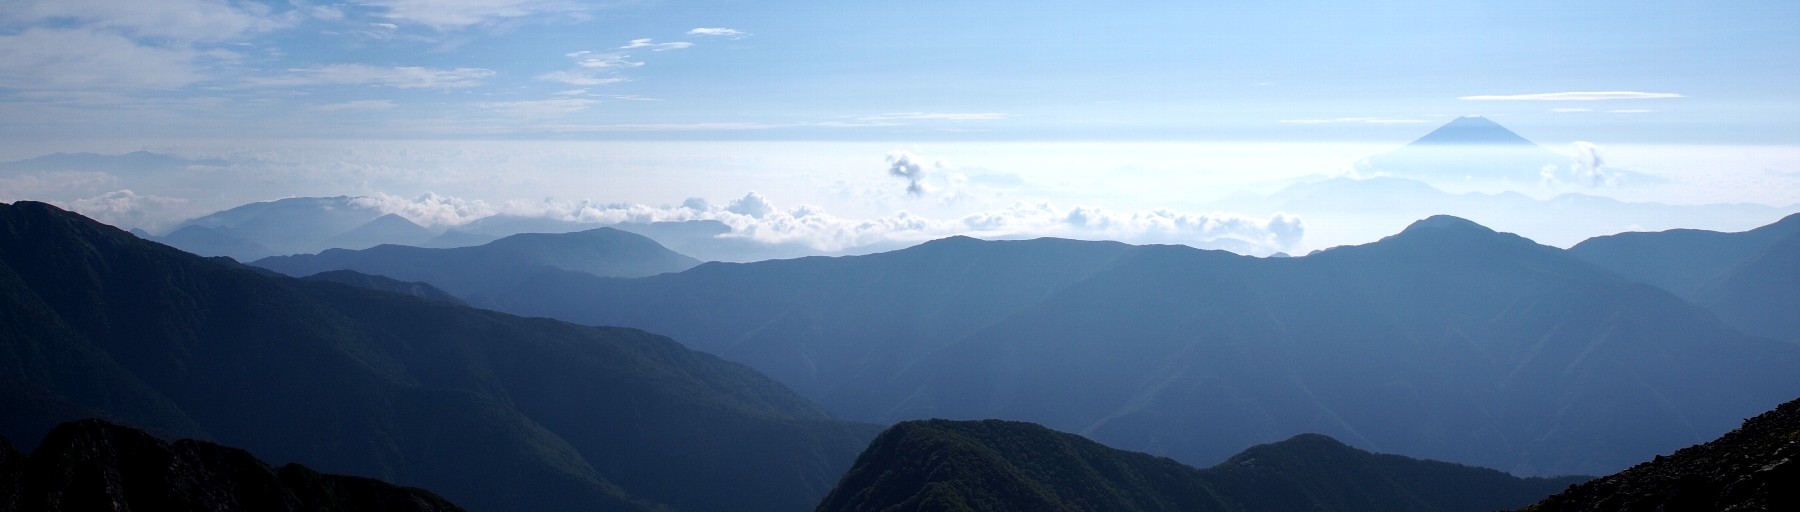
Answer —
(308, 225)
(95, 465)
(1447, 341)
(493, 411)
(498, 266)
(1002, 465)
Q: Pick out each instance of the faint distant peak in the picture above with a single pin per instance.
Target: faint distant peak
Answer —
(1472, 131)
(1437, 223)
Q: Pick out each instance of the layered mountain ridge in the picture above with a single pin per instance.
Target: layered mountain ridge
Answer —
(1447, 341)
(495, 412)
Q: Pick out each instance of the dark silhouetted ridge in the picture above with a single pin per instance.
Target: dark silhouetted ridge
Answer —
(1756, 467)
(1002, 465)
(95, 465)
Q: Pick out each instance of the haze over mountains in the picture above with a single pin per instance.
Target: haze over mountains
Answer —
(498, 266)
(1447, 341)
(1518, 186)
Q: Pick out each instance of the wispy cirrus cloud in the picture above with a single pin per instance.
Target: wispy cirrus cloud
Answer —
(166, 20)
(85, 60)
(938, 116)
(582, 78)
(449, 15)
(1575, 96)
(358, 105)
(1358, 120)
(719, 32)
(404, 77)
(652, 45)
(539, 109)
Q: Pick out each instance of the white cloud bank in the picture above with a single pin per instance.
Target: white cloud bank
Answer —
(756, 218)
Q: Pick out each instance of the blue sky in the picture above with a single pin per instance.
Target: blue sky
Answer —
(896, 70)
(1138, 107)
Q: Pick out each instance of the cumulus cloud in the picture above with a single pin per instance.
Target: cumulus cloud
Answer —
(361, 74)
(1589, 162)
(752, 204)
(430, 210)
(1574, 96)
(756, 218)
(719, 32)
(905, 165)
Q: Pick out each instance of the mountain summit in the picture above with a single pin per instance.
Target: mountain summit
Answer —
(1468, 149)
(1472, 130)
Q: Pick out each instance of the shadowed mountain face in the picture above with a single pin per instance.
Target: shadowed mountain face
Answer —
(499, 265)
(1001, 465)
(1750, 279)
(1447, 341)
(495, 412)
(1752, 468)
(95, 465)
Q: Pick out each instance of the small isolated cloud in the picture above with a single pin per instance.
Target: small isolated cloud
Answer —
(654, 46)
(539, 109)
(403, 77)
(1588, 162)
(1588, 167)
(905, 165)
(944, 116)
(752, 204)
(1575, 96)
(719, 32)
(362, 105)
